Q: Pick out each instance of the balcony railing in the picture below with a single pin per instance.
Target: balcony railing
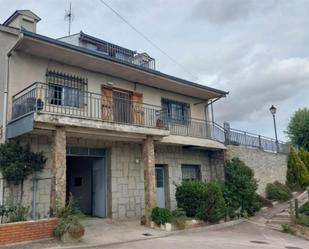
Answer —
(197, 128)
(44, 98)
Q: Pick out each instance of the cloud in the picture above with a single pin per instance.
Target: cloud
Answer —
(222, 11)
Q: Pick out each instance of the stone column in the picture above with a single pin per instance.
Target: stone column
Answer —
(149, 178)
(58, 152)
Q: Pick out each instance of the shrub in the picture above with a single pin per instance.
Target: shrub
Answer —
(297, 174)
(304, 209)
(201, 199)
(286, 228)
(240, 188)
(161, 216)
(303, 220)
(213, 207)
(69, 220)
(179, 212)
(264, 201)
(278, 192)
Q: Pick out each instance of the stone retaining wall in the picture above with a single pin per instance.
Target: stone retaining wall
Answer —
(268, 167)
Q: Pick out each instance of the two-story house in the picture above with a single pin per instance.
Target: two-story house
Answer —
(118, 134)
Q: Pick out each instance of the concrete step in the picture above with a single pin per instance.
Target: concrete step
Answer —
(279, 221)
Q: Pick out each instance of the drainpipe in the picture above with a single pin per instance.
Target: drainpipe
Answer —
(5, 98)
(6, 87)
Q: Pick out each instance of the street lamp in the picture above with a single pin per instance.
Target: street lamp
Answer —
(273, 111)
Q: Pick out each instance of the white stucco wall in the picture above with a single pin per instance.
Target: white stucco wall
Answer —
(26, 69)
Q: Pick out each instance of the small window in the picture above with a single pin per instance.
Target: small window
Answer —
(190, 172)
(176, 112)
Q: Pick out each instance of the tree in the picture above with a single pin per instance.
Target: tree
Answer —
(297, 174)
(17, 162)
(298, 128)
(304, 156)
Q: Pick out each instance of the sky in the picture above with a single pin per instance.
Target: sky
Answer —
(258, 51)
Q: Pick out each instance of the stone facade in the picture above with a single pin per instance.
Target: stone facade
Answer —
(175, 156)
(268, 167)
(127, 180)
(126, 189)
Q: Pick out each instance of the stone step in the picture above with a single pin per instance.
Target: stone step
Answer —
(279, 221)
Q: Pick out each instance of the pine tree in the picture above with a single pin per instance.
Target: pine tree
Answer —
(297, 173)
(304, 156)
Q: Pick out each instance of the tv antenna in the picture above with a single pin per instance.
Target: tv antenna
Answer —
(69, 17)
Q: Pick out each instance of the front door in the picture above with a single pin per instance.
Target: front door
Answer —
(99, 188)
(160, 188)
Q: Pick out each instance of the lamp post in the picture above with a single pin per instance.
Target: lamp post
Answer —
(273, 111)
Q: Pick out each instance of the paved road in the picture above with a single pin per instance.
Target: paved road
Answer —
(245, 235)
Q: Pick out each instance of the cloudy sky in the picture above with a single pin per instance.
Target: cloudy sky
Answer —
(256, 50)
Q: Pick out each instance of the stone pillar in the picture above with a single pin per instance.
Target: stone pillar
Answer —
(149, 178)
(58, 156)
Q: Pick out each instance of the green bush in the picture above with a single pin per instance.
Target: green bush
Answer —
(303, 220)
(213, 207)
(201, 199)
(161, 216)
(240, 188)
(297, 173)
(278, 192)
(179, 212)
(304, 209)
(69, 220)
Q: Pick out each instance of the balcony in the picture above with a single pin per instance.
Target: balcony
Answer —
(42, 98)
(88, 108)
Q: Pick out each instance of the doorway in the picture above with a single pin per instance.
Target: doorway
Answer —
(161, 186)
(86, 181)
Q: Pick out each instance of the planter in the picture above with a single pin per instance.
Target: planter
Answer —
(27, 231)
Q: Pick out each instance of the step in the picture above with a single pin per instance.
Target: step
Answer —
(279, 221)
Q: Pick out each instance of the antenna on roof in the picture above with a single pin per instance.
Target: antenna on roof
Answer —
(69, 17)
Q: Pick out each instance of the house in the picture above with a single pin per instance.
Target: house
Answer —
(118, 134)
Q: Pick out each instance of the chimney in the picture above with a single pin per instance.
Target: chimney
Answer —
(23, 19)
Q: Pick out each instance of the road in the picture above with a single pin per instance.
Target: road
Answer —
(245, 235)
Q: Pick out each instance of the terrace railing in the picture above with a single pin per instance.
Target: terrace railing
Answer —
(45, 98)
(239, 137)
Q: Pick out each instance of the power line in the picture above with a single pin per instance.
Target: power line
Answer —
(147, 39)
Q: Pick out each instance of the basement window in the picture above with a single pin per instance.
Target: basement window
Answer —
(191, 172)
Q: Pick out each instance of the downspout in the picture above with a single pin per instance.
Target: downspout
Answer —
(6, 87)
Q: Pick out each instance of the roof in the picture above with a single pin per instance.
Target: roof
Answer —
(137, 68)
(28, 13)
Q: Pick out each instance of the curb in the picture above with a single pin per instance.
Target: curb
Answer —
(191, 230)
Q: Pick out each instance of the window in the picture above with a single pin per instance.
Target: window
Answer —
(66, 96)
(190, 172)
(176, 112)
(65, 90)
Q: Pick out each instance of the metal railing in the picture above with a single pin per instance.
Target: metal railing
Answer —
(239, 137)
(197, 128)
(49, 98)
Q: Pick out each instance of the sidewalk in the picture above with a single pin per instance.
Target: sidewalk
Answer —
(103, 232)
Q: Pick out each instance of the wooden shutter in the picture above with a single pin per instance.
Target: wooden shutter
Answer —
(107, 103)
(138, 109)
